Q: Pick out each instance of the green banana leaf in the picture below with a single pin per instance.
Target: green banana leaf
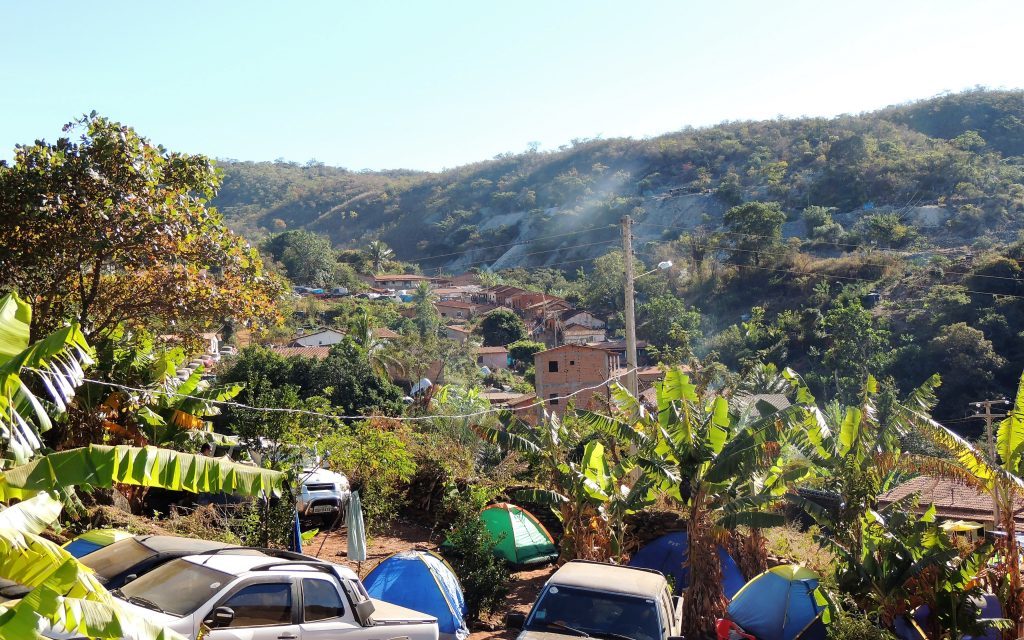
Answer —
(104, 466)
(56, 361)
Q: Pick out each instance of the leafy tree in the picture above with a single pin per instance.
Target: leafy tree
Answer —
(857, 346)
(308, 258)
(965, 350)
(379, 255)
(888, 230)
(603, 289)
(756, 228)
(378, 350)
(112, 230)
(667, 323)
(522, 351)
(502, 327)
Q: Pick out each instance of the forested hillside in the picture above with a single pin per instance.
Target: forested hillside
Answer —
(949, 166)
(884, 243)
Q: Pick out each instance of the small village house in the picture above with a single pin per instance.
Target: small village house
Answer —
(494, 358)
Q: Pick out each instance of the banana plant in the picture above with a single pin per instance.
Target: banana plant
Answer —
(723, 472)
(54, 363)
(587, 484)
(104, 466)
(64, 594)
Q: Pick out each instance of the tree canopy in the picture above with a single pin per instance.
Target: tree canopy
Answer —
(110, 229)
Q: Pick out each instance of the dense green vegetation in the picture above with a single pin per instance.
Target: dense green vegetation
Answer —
(782, 232)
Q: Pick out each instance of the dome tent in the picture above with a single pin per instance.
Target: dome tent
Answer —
(522, 539)
(780, 604)
(669, 554)
(421, 581)
(94, 540)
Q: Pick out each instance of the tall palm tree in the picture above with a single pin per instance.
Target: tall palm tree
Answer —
(378, 351)
(379, 254)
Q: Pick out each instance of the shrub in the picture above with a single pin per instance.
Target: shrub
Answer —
(855, 626)
(484, 578)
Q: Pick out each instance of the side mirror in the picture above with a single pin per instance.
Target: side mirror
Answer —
(515, 620)
(363, 612)
(130, 577)
(220, 617)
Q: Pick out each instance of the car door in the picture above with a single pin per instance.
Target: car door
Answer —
(325, 614)
(265, 609)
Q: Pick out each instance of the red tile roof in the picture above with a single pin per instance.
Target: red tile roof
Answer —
(952, 499)
(490, 350)
(318, 353)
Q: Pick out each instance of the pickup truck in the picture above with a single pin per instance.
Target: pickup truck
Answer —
(253, 597)
(599, 600)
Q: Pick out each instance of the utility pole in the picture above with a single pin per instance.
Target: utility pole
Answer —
(627, 251)
(989, 417)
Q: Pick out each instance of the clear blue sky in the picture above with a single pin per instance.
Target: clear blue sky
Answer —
(425, 85)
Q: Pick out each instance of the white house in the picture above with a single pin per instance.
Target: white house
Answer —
(319, 338)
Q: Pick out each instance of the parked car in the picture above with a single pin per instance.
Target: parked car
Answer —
(228, 351)
(323, 496)
(253, 597)
(602, 600)
(120, 562)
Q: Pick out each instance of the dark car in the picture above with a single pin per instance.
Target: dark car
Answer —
(120, 562)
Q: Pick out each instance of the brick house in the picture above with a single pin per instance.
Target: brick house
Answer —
(569, 369)
(457, 332)
(455, 309)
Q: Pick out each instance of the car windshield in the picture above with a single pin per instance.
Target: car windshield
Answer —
(117, 558)
(178, 587)
(582, 612)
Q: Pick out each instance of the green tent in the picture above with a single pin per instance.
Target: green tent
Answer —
(522, 539)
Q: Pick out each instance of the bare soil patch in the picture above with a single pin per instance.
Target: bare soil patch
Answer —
(403, 536)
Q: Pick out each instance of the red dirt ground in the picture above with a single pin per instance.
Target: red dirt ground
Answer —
(403, 536)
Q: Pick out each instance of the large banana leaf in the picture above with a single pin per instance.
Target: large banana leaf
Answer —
(56, 361)
(33, 515)
(1010, 437)
(65, 594)
(104, 466)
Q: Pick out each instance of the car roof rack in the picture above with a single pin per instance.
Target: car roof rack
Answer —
(609, 564)
(273, 553)
(319, 565)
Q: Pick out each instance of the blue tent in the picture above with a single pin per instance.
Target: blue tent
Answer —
(669, 554)
(779, 604)
(422, 581)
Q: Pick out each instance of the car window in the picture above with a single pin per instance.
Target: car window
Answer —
(261, 604)
(320, 600)
(178, 587)
(595, 612)
(117, 558)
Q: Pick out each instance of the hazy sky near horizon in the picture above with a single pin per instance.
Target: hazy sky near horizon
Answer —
(428, 85)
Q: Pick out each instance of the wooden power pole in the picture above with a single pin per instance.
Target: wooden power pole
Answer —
(627, 251)
(989, 417)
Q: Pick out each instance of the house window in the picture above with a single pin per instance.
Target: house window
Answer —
(553, 398)
(572, 363)
(553, 366)
(479, 359)
(459, 314)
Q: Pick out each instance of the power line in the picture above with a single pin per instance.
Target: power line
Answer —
(239, 405)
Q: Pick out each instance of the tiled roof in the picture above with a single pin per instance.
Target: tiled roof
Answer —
(454, 304)
(400, 276)
(777, 400)
(459, 328)
(490, 350)
(385, 333)
(318, 353)
(951, 499)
